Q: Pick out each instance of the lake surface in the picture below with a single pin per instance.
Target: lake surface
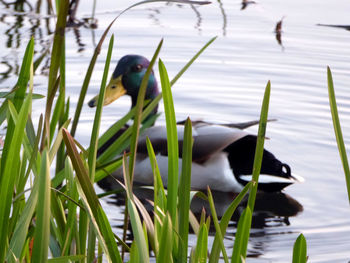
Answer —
(226, 84)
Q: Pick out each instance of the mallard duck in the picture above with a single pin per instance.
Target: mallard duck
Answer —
(223, 155)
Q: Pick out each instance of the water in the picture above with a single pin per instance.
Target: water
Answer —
(226, 84)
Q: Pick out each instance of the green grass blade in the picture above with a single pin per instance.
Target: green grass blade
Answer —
(58, 219)
(61, 153)
(56, 54)
(24, 75)
(217, 226)
(42, 229)
(259, 146)
(21, 229)
(20, 88)
(71, 207)
(91, 201)
(139, 108)
(115, 127)
(138, 232)
(93, 145)
(58, 42)
(107, 169)
(242, 236)
(300, 250)
(60, 102)
(57, 142)
(184, 191)
(159, 197)
(9, 170)
(134, 253)
(172, 142)
(120, 144)
(34, 159)
(159, 192)
(87, 79)
(201, 251)
(183, 70)
(225, 219)
(337, 129)
(166, 241)
(98, 114)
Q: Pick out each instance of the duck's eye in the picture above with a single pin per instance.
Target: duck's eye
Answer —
(113, 87)
(137, 68)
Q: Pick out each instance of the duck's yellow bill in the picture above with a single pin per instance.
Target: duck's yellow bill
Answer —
(114, 90)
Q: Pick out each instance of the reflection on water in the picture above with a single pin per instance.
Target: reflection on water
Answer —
(19, 16)
(224, 17)
(278, 32)
(246, 3)
(15, 18)
(346, 27)
(272, 210)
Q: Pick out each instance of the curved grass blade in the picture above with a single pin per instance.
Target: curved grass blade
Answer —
(91, 201)
(159, 192)
(242, 236)
(10, 169)
(98, 114)
(337, 129)
(93, 145)
(57, 142)
(159, 196)
(42, 229)
(139, 108)
(225, 219)
(201, 251)
(259, 146)
(300, 250)
(58, 111)
(115, 127)
(172, 142)
(87, 78)
(20, 88)
(21, 229)
(216, 224)
(107, 169)
(166, 241)
(183, 70)
(56, 55)
(138, 232)
(184, 191)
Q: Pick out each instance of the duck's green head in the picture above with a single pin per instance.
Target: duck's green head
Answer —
(126, 79)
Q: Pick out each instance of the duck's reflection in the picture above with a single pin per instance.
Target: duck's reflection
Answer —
(271, 209)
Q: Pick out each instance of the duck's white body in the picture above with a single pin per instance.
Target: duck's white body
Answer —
(211, 165)
(215, 173)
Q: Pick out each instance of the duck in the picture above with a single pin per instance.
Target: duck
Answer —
(222, 154)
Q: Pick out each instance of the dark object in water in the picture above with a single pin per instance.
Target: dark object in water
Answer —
(346, 27)
(245, 3)
(278, 32)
